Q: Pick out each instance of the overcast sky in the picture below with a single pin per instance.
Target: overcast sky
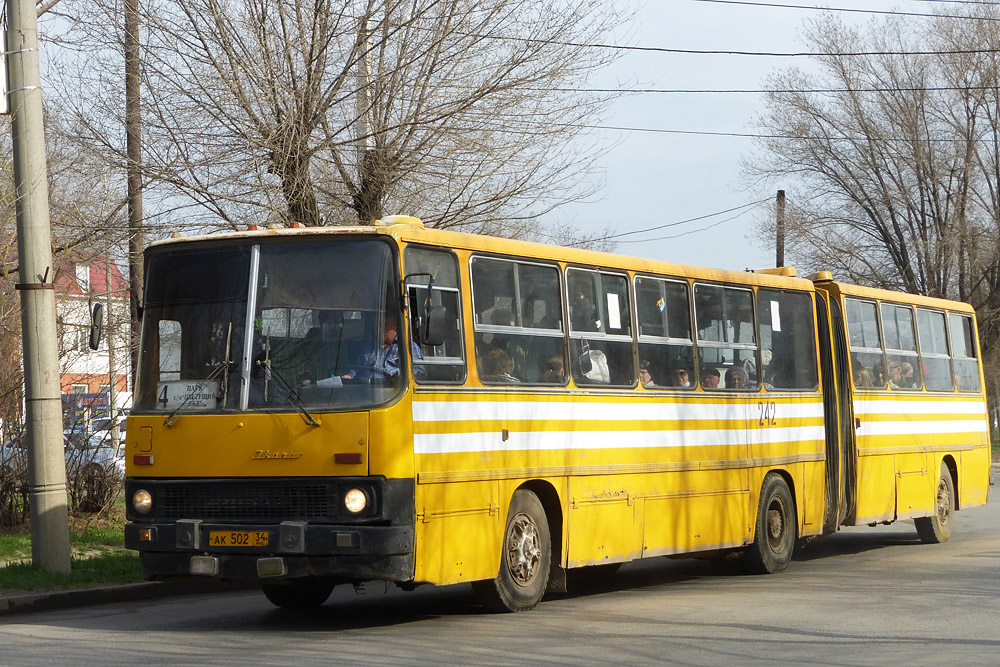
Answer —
(654, 178)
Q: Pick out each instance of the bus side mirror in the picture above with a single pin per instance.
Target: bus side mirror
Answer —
(434, 326)
(96, 325)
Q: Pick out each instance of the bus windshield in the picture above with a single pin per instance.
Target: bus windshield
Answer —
(322, 315)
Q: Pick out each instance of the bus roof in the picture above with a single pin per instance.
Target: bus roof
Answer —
(847, 289)
(409, 230)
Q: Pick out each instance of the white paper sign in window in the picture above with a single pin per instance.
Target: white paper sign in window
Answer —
(614, 312)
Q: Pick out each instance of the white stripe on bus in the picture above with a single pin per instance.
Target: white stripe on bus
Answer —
(863, 407)
(445, 411)
(455, 443)
(923, 427)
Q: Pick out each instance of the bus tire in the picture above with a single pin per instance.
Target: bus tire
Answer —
(774, 537)
(298, 594)
(525, 558)
(936, 528)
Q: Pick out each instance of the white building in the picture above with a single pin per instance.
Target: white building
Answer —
(85, 374)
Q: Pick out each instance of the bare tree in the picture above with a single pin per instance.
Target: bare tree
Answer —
(894, 160)
(465, 112)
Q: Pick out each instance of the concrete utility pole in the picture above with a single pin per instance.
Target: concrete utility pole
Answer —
(46, 461)
(779, 242)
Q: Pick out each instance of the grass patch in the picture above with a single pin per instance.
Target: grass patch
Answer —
(15, 547)
(111, 536)
(86, 541)
(106, 569)
(97, 552)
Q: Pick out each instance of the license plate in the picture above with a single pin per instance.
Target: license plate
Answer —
(237, 538)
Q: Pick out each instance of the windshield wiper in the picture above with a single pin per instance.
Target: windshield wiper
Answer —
(172, 417)
(221, 366)
(289, 392)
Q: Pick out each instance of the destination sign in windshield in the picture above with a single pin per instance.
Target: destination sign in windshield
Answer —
(193, 395)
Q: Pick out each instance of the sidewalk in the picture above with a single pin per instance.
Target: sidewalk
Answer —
(79, 597)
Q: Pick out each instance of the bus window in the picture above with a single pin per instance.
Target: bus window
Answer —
(170, 338)
(437, 271)
(518, 322)
(600, 328)
(193, 327)
(727, 346)
(867, 363)
(900, 347)
(325, 345)
(963, 352)
(666, 351)
(934, 350)
(787, 342)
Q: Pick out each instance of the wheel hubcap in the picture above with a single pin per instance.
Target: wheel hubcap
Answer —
(523, 550)
(776, 525)
(943, 502)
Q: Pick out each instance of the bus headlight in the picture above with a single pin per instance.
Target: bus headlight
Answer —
(355, 501)
(142, 501)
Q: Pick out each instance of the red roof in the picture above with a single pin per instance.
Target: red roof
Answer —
(66, 282)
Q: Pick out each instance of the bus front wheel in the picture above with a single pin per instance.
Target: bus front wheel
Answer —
(525, 558)
(298, 594)
(774, 541)
(937, 527)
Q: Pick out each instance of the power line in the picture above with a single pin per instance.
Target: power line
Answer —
(732, 52)
(759, 91)
(673, 224)
(753, 135)
(692, 231)
(766, 54)
(888, 12)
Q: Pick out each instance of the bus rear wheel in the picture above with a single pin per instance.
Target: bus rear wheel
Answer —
(936, 528)
(774, 539)
(525, 558)
(298, 594)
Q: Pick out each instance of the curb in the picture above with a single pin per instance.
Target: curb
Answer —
(49, 600)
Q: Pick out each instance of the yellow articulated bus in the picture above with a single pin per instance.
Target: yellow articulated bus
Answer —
(334, 405)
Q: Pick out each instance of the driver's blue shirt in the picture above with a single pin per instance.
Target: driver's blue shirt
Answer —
(384, 362)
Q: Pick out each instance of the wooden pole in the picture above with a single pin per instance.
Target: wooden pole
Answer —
(779, 243)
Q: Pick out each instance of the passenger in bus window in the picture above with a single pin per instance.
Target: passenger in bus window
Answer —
(497, 367)
(895, 374)
(736, 378)
(907, 381)
(646, 376)
(862, 378)
(514, 344)
(710, 378)
(878, 375)
(583, 313)
(681, 378)
(555, 371)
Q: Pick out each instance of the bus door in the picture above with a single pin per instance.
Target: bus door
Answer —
(838, 414)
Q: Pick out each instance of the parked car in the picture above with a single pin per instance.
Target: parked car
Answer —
(13, 457)
(95, 449)
(105, 423)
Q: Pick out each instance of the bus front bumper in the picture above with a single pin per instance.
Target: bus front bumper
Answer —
(291, 549)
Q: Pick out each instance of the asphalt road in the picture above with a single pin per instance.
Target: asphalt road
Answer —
(865, 596)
